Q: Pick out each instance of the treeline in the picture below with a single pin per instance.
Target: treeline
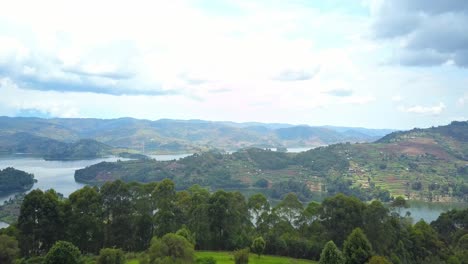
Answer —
(128, 216)
(13, 180)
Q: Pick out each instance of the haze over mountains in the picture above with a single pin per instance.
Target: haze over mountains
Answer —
(28, 134)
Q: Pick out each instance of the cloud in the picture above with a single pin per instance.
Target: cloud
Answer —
(418, 109)
(340, 92)
(295, 75)
(426, 33)
(396, 98)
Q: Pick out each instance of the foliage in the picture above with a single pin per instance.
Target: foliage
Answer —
(171, 248)
(111, 256)
(258, 246)
(356, 248)
(241, 256)
(13, 180)
(9, 250)
(63, 252)
(331, 254)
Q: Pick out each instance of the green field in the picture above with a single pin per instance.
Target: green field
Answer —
(226, 257)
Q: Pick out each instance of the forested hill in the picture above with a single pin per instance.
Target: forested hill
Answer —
(13, 180)
(168, 135)
(421, 167)
(51, 149)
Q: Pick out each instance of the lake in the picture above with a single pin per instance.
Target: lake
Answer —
(430, 211)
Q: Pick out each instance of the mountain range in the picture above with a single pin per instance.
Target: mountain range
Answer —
(168, 135)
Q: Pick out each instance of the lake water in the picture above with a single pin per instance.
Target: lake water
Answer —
(430, 211)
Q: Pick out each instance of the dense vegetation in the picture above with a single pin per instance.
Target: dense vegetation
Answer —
(167, 225)
(426, 165)
(183, 136)
(13, 180)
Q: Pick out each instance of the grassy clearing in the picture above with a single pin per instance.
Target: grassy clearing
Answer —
(227, 258)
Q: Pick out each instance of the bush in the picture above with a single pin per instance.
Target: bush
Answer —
(111, 256)
(241, 256)
(63, 252)
(258, 246)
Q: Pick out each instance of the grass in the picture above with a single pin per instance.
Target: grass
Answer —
(227, 258)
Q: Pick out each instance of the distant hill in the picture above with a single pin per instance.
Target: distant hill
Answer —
(51, 149)
(428, 164)
(168, 135)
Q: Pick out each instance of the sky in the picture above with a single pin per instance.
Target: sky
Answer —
(379, 64)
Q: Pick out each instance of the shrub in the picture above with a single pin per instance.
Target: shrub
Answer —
(241, 256)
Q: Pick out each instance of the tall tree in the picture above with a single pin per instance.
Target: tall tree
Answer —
(117, 211)
(40, 222)
(85, 227)
(164, 196)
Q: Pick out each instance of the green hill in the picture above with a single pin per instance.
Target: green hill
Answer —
(427, 164)
(51, 149)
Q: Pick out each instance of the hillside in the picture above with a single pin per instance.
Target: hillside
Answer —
(168, 135)
(428, 164)
(51, 149)
(13, 180)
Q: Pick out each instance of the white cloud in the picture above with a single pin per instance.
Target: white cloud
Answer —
(418, 109)
(397, 98)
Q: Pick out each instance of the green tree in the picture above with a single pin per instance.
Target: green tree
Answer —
(356, 248)
(111, 256)
(8, 249)
(341, 214)
(63, 252)
(171, 248)
(117, 211)
(258, 246)
(399, 202)
(165, 197)
(85, 226)
(41, 222)
(331, 254)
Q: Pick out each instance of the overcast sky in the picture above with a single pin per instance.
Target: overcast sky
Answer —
(378, 64)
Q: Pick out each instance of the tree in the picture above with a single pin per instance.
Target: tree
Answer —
(331, 254)
(356, 248)
(117, 207)
(341, 214)
(165, 196)
(8, 249)
(63, 252)
(399, 202)
(85, 223)
(111, 256)
(258, 246)
(171, 248)
(40, 222)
